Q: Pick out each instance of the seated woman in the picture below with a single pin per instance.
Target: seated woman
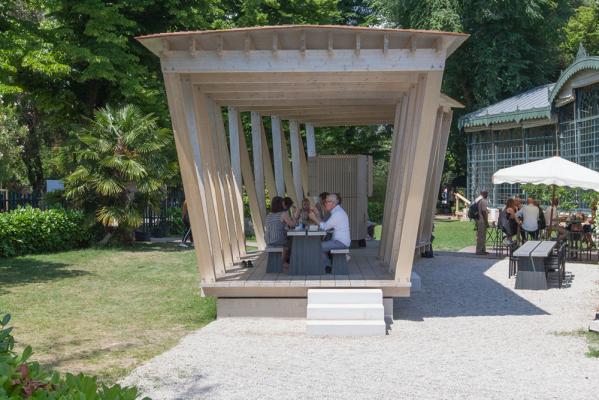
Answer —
(277, 223)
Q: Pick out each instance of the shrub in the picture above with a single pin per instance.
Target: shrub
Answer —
(375, 211)
(31, 230)
(24, 379)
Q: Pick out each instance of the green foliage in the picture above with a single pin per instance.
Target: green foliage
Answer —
(582, 28)
(120, 167)
(375, 211)
(24, 379)
(569, 199)
(12, 169)
(31, 230)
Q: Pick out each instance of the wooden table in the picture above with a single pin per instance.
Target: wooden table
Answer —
(306, 252)
(531, 264)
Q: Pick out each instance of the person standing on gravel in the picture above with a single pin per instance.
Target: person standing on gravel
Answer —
(482, 223)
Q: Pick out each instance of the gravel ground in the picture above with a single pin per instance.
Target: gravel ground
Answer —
(466, 335)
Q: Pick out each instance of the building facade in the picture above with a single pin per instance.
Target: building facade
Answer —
(561, 117)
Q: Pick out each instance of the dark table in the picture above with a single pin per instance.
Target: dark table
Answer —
(306, 252)
(531, 264)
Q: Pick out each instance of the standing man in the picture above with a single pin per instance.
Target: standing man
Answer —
(338, 222)
(482, 223)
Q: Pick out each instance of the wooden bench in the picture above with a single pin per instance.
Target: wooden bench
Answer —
(339, 257)
(274, 262)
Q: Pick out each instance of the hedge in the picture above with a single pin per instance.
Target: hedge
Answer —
(31, 230)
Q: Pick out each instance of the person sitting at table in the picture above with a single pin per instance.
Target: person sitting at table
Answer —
(277, 223)
(508, 221)
(530, 220)
(302, 216)
(338, 222)
(320, 206)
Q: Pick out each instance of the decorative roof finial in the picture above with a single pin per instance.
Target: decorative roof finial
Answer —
(582, 52)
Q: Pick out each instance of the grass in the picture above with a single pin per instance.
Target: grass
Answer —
(592, 340)
(449, 235)
(103, 311)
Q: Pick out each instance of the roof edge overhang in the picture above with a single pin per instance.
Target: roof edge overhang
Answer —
(542, 113)
(448, 41)
(586, 63)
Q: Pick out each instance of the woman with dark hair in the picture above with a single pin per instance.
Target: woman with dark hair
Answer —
(277, 223)
(321, 207)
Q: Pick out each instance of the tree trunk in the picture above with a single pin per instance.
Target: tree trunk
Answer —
(32, 151)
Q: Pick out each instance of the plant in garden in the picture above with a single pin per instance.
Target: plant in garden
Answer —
(24, 379)
(121, 166)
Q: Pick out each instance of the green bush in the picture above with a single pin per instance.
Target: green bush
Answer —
(375, 211)
(23, 379)
(31, 230)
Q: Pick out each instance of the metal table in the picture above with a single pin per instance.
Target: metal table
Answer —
(531, 264)
(306, 252)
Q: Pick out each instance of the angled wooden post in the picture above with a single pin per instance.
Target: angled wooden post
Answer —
(192, 175)
(310, 140)
(277, 152)
(257, 150)
(231, 210)
(250, 189)
(288, 170)
(438, 171)
(429, 102)
(295, 159)
(267, 164)
(234, 130)
(196, 104)
(303, 166)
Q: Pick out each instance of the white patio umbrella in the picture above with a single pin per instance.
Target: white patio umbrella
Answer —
(554, 171)
(550, 171)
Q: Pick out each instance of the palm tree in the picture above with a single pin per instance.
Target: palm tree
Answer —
(121, 166)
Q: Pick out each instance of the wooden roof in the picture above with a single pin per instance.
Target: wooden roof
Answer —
(325, 75)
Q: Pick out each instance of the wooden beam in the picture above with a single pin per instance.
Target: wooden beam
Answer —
(275, 43)
(304, 166)
(234, 130)
(277, 152)
(431, 84)
(233, 193)
(311, 102)
(193, 180)
(304, 78)
(295, 158)
(358, 44)
(292, 87)
(385, 43)
(197, 105)
(310, 140)
(288, 171)
(259, 97)
(257, 149)
(268, 173)
(250, 189)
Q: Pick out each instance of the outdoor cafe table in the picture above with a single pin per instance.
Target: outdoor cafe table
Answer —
(306, 252)
(531, 264)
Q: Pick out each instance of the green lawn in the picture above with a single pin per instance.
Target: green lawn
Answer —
(103, 311)
(449, 235)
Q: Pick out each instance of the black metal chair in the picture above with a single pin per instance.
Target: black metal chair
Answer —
(513, 261)
(556, 262)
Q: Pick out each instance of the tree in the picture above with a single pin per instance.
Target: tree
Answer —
(121, 168)
(12, 170)
(582, 28)
(513, 46)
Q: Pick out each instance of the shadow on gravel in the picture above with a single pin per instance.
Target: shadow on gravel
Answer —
(196, 390)
(456, 286)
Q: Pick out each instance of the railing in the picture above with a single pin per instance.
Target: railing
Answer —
(12, 200)
(458, 198)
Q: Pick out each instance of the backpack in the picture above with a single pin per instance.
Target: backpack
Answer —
(473, 210)
(504, 223)
(541, 221)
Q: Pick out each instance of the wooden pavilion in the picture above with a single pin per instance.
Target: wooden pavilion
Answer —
(313, 76)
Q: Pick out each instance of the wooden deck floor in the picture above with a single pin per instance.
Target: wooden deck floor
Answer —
(365, 271)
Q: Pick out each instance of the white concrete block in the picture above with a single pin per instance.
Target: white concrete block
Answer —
(346, 328)
(345, 296)
(345, 312)
(594, 326)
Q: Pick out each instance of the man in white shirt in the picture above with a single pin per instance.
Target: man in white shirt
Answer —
(530, 219)
(339, 223)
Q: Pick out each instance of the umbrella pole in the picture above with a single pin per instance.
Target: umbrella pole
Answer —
(551, 213)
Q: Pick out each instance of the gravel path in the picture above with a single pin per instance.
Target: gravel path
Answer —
(466, 335)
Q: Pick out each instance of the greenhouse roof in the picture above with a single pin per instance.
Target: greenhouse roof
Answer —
(532, 104)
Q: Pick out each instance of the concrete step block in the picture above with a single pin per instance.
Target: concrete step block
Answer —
(346, 312)
(345, 296)
(346, 328)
